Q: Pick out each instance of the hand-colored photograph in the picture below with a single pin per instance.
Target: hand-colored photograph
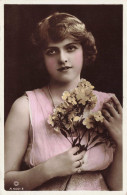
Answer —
(63, 97)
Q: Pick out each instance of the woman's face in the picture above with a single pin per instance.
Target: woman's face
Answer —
(64, 60)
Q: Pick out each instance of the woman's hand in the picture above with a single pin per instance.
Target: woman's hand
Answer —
(66, 163)
(112, 112)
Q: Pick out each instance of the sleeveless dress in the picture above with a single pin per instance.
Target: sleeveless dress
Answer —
(45, 143)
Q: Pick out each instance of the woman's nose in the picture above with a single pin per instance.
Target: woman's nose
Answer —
(62, 57)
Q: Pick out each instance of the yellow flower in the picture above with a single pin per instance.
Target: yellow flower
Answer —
(50, 121)
(71, 116)
(76, 118)
(82, 89)
(60, 109)
(84, 93)
(98, 116)
(85, 83)
(65, 105)
(88, 122)
(92, 101)
(80, 95)
(72, 100)
(57, 129)
(65, 95)
(79, 101)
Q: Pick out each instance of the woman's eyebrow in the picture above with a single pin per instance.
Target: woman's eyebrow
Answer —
(51, 47)
(66, 45)
(73, 43)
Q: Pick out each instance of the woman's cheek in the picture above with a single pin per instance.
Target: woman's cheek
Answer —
(50, 64)
(78, 58)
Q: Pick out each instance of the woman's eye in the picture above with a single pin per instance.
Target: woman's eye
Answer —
(71, 48)
(51, 52)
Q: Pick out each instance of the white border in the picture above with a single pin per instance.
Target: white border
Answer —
(90, 2)
(1, 95)
(64, 2)
(125, 96)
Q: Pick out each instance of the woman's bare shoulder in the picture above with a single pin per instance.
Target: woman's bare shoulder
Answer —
(19, 113)
(21, 104)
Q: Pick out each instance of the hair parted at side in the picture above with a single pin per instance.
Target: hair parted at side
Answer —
(60, 26)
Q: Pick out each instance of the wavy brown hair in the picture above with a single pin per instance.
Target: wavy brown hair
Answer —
(60, 26)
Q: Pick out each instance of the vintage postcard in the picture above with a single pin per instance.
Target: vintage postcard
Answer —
(63, 97)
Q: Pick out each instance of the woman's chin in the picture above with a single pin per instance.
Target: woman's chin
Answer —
(65, 80)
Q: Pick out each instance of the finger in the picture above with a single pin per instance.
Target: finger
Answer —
(106, 123)
(79, 156)
(79, 163)
(117, 103)
(78, 170)
(74, 150)
(106, 114)
(110, 108)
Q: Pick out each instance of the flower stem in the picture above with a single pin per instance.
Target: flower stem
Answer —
(67, 182)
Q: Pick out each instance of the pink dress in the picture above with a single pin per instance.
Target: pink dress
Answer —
(45, 143)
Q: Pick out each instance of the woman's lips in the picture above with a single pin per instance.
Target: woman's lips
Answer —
(65, 68)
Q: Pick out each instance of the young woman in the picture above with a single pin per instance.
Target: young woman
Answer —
(66, 48)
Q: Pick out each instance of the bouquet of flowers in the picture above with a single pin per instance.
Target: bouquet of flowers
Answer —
(74, 117)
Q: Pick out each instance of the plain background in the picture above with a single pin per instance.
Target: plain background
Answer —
(21, 67)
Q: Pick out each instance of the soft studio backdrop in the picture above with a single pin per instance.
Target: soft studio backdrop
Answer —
(21, 66)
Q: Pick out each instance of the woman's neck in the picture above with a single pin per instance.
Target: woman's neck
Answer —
(57, 89)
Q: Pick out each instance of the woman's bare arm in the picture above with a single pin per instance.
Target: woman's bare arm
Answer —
(113, 174)
(16, 140)
(113, 122)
